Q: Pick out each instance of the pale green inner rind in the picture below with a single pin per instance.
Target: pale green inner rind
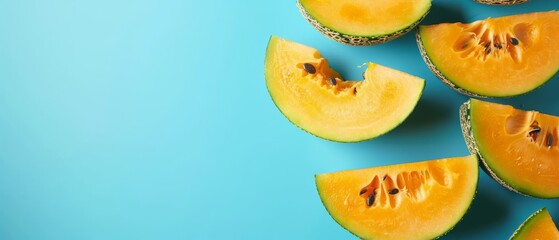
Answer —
(528, 224)
(425, 10)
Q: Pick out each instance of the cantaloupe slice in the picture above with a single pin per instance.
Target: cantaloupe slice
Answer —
(538, 226)
(496, 57)
(421, 200)
(316, 98)
(363, 22)
(520, 149)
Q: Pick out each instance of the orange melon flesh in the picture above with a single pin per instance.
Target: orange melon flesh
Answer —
(348, 111)
(366, 17)
(432, 197)
(538, 226)
(481, 58)
(516, 153)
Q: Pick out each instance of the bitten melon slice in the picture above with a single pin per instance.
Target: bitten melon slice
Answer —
(363, 22)
(315, 98)
(538, 226)
(421, 200)
(496, 57)
(520, 149)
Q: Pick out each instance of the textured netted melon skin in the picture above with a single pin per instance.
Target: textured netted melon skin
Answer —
(501, 2)
(355, 40)
(466, 126)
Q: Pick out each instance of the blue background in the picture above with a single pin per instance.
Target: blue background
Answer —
(150, 120)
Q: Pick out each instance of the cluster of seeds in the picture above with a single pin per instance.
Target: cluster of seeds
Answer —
(480, 41)
(534, 134)
(310, 68)
(389, 190)
(370, 199)
(488, 47)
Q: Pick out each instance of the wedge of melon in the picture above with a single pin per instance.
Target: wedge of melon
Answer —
(315, 98)
(363, 22)
(496, 57)
(520, 149)
(538, 226)
(421, 200)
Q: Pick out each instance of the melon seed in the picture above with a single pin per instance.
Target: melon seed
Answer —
(549, 140)
(332, 81)
(498, 45)
(514, 41)
(534, 133)
(309, 68)
(364, 190)
(393, 191)
(371, 198)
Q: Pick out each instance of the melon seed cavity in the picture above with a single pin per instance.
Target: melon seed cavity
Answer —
(417, 183)
(481, 41)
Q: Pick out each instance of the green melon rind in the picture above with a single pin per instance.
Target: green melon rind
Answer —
(462, 214)
(333, 139)
(354, 40)
(474, 148)
(501, 2)
(528, 223)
